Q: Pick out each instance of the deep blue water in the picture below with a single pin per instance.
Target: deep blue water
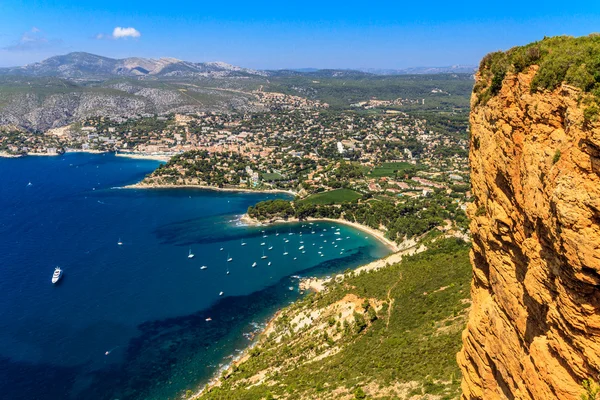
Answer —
(144, 302)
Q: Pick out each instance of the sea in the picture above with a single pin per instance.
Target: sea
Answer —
(134, 317)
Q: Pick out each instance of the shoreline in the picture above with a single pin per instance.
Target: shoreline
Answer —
(393, 246)
(205, 187)
(141, 156)
(312, 283)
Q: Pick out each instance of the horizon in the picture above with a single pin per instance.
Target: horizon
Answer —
(299, 69)
(266, 36)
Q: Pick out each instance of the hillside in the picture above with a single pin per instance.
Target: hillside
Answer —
(386, 334)
(534, 328)
(72, 87)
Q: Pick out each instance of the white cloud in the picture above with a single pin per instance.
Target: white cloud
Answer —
(119, 33)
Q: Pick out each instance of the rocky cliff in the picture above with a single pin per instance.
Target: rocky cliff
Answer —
(534, 328)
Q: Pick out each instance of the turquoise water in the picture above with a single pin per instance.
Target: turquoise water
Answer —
(129, 321)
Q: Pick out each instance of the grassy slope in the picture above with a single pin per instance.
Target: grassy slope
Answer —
(408, 350)
(336, 196)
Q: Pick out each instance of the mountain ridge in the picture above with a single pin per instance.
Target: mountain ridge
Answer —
(82, 64)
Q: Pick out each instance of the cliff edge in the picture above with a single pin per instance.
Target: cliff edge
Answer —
(534, 328)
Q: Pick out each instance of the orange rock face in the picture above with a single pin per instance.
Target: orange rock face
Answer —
(534, 328)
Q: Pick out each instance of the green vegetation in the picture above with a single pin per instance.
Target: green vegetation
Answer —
(591, 390)
(337, 196)
(410, 343)
(390, 169)
(556, 157)
(575, 61)
(407, 219)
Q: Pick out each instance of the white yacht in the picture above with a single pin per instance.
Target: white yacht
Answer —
(285, 252)
(269, 263)
(57, 274)
(120, 243)
(301, 247)
(190, 254)
(243, 243)
(263, 256)
(229, 259)
(270, 247)
(203, 267)
(254, 264)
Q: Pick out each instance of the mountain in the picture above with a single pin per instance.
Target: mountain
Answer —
(454, 69)
(88, 66)
(534, 326)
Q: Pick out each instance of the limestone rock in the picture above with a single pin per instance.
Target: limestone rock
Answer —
(534, 328)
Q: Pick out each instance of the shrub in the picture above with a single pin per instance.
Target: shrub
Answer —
(556, 157)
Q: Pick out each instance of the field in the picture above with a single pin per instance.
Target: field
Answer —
(336, 196)
(389, 169)
(272, 177)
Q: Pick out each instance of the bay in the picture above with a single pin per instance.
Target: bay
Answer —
(130, 321)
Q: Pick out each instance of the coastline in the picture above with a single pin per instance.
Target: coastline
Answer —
(393, 246)
(409, 247)
(139, 185)
(142, 156)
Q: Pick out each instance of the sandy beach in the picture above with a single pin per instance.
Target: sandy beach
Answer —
(143, 156)
(141, 185)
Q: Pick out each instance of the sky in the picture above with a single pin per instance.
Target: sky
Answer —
(287, 34)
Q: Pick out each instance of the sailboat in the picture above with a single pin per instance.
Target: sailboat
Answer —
(276, 233)
(290, 232)
(285, 252)
(229, 259)
(263, 256)
(120, 243)
(190, 254)
(243, 243)
(270, 247)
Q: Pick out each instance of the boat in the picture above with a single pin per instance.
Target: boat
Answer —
(301, 248)
(337, 233)
(243, 243)
(229, 259)
(221, 249)
(285, 252)
(276, 233)
(285, 240)
(338, 239)
(208, 319)
(220, 293)
(263, 243)
(269, 263)
(295, 258)
(30, 184)
(291, 288)
(203, 267)
(227, 272)
(313, 232)
(270, 247)
(120, 243)
(302, 242)
(303, 251)
(254, 264)
(290, 232)
(190, 254)
(263, 256)
(58, 273)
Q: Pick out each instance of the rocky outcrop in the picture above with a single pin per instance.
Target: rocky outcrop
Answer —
(534, 328)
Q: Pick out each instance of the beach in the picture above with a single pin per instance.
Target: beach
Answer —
(141, 185)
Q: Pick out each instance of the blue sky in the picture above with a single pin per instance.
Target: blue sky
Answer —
(287, 34)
